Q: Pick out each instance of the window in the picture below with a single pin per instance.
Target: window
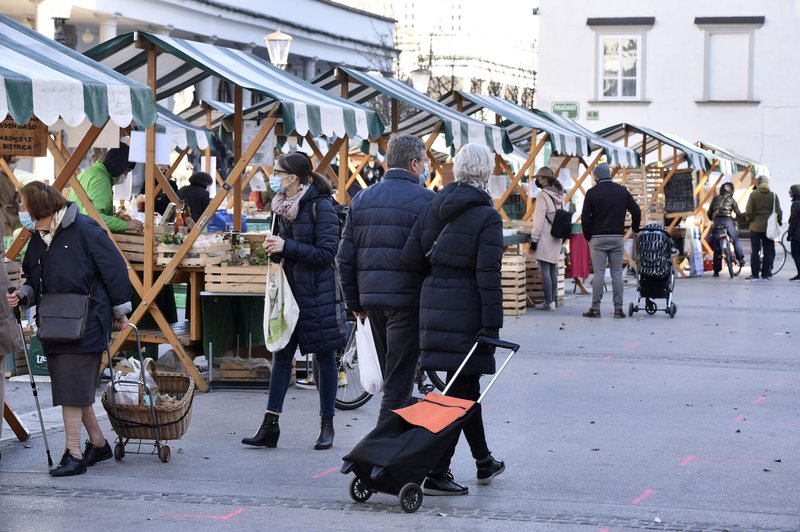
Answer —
(620, 67)
(728, 61)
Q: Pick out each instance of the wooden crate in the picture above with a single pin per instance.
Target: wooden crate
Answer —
(513, 283)
(534, 287)
(239, 279)
(197, 255)
(232, 371)
(14, 270)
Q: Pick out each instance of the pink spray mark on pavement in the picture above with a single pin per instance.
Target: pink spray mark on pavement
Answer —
(608, 357)
(720, 459)
(633, 345)
(781, 383)
(326, 472)
(688, 459)
(759, 399)
(212, 517)
(645, 494)
(740, 418)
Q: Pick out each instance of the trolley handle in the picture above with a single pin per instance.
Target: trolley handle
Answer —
(496, 342)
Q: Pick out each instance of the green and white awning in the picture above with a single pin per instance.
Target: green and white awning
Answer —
(742, 162)
(458, 128)
(42, 78)
(198, 113)
(520, 123)
(181, 63)
(182, 133)
(615, 154)
(696, 158)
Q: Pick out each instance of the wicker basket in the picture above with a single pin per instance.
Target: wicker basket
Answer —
(172, 421)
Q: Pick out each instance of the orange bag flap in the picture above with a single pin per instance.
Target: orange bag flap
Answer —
(435, 411)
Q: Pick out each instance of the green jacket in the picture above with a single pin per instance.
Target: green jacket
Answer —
(759, 207)
(96, 181)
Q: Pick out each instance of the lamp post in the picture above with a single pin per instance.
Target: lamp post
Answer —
(62, 9)
(278, 48)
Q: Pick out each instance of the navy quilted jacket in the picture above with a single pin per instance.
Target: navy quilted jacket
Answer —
(308, 251)
(377, 228)
(462, 293)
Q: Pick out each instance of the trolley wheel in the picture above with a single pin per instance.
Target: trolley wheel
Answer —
(119, 451)
(650, 307)
(359, 491)
(164, 453)
(673, 309)
(410, 498)
(631, 309)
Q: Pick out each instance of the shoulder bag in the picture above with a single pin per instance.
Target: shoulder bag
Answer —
(773, 228)
(61, 317)
(561, 224)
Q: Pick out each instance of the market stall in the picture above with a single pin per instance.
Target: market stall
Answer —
(43, 81)
(292, 107)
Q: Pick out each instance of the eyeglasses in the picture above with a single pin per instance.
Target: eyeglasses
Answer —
(276, 171)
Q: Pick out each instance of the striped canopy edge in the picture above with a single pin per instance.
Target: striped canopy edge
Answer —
(183, 133)
(42, 78)
(759, 169)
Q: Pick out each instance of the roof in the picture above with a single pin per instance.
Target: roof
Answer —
(458, 128)
(519, 122)
(615, 154)
(40, 77)
(196, 114)
(758, 168)
(697, 158)
(181, 63)
(183, 133)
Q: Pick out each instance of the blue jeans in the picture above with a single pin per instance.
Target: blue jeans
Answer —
(549, 273)
(730, 225)
(327, 378)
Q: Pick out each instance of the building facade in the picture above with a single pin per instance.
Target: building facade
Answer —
(725, 72)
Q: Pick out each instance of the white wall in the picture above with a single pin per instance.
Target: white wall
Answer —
(673, 75)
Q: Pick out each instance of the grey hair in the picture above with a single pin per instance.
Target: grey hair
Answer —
(403, 149)
(473, 165)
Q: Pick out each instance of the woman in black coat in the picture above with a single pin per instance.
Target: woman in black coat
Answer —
(70, 253)
(195, 194)
(794, 228)
(458, 238)
(306, 236)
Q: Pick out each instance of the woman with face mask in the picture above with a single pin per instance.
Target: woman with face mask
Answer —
(306, 237)
(98, 180)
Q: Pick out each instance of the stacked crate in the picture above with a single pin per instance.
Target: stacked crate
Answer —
(535, 289)
(513, 283)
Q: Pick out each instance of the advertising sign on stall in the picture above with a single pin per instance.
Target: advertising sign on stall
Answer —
(28, 140)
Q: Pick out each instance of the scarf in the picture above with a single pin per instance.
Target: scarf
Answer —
(288, 207)
(55, 221)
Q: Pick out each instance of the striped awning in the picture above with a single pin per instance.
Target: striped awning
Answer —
(197, 113)
(742, 162)
(181, 63)
(458, 128)
(42, 78)
(615, 154)
(696, 158)
(183, 133)
(520, 122)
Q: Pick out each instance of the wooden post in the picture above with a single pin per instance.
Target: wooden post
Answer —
(150, 172)
(238, 131)
(208, 148)
(395, 115)
(344, 152)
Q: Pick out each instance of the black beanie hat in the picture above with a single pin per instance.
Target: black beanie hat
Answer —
(116, 160)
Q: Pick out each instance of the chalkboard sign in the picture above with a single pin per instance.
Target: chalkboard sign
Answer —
(679, 193)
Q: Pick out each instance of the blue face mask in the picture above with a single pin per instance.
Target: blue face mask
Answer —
(423, 177)
(275, 183)
(27, 222)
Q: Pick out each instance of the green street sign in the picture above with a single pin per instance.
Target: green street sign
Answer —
(592, 115)
(568, 109)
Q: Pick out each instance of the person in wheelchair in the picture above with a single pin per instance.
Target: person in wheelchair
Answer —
(723, 212)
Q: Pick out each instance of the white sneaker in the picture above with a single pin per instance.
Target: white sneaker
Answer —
(545, 306)
(306, 384)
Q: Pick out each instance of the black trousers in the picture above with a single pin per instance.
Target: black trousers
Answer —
(466, 387)
(796, 254)
(396, 335)
(757, 242)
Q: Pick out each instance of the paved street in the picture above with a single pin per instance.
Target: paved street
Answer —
(643, 423)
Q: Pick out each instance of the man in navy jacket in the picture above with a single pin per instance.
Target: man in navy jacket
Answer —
(375, 282)
(603, 221)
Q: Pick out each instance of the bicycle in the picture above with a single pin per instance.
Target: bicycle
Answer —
(780, 253)
(351, 395)
(726, 247)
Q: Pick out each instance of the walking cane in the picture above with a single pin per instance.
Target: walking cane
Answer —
(17, 315)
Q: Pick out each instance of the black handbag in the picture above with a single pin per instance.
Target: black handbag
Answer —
(62, 317)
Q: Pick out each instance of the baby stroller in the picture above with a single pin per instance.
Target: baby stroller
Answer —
(655, 277)
(395, 456)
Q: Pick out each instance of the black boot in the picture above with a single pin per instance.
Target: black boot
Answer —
(325, 439)
(267, 435)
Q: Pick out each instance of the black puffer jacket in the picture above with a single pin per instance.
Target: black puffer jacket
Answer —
(794, 214)
(377, 228)
(462, 291)
(308, 251)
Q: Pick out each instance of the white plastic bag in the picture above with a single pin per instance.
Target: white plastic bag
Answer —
(280, 309)
(368, 366)
(774, 230)
(128, 386)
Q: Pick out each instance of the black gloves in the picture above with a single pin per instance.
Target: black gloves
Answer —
(533, 245)
(491, 332)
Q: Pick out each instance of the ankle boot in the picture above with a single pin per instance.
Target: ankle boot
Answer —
(325, 439)
(267, 435)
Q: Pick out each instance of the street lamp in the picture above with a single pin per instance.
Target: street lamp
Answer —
(62, 9)
(420, 79)
(278, 48)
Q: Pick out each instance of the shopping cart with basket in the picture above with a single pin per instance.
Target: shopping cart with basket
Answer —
(395, 457)
(149, 419)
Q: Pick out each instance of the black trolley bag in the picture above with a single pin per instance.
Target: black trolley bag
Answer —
(395, 457)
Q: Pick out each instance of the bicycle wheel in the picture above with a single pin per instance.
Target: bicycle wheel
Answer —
(728, 259)
(350, 394)
(438, 379)
(780, 257)
(734, 265)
